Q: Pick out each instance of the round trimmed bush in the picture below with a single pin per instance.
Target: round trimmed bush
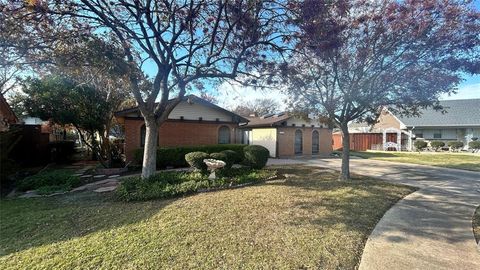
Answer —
(455, 145)
(474, 145)
(256, 156)
(420, 145)
(233, 156)
(195, 160)
(437, 145)
(223, 157)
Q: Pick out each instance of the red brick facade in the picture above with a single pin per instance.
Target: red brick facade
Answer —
(176, 133)
(286, 141)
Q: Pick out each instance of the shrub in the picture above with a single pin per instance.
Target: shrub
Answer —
(223, 157)
(175, 156)
(256, 156)
(62, 151)
(420, 145)
(172, 184)
(195, 160)
(455, 145)
(437, 145)
(474, 145)
(50, 181)
(233, 156)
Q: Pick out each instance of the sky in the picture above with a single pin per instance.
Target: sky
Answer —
(469, 88)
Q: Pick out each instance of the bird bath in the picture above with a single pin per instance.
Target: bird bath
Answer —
(213, 164)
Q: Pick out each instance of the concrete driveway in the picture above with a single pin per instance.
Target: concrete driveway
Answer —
(430, 228)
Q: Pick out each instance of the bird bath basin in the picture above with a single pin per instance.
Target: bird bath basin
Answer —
(213, 164)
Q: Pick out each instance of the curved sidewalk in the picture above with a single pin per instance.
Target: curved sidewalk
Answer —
(430, 228)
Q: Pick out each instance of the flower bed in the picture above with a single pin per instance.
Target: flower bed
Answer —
(173, 184)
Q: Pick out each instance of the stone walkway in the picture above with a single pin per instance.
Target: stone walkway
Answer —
(95, 182)
(430, 228)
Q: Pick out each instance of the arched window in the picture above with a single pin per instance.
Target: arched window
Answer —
(143, 133)
(223, 135)
(298, 142)
(315, 142)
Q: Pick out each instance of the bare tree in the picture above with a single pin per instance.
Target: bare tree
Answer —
(259, 106)
(186, 41)
(356, 56)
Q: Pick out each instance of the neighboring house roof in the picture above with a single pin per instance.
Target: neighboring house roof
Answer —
(192, 98)
(464, 112)
(359, 127)
(268, 120)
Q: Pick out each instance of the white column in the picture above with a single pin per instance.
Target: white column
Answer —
(384, 139)
(399, 141)
(410, 146)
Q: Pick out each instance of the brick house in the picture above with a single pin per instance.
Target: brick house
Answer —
(194, 121)
(285, 135)
(7, 116)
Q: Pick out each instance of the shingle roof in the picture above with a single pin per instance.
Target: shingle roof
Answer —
(268, 120)
(194, 98)
(463, 112)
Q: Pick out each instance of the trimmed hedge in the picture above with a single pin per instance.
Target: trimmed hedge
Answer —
(175, 156)
(437, 145)
(195, 160)
(455, 145)
(233, 156)
(256, 156)
(474, 145)
(420, 145)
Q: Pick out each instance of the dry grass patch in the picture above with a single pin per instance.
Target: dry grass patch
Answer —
(310, 220)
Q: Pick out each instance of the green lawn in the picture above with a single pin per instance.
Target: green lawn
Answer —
(310, 220)
(449, 160)
(476, 224)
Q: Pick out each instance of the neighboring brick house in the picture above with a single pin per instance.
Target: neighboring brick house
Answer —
(194, 121)
(7, 116)
(288, 136)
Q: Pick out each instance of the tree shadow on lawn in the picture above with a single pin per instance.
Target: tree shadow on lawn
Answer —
(360, 203)
(367, 155)
(27, 223)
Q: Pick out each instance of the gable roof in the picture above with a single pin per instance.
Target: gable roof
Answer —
(192, 98)
(268, 120)
(462, 112)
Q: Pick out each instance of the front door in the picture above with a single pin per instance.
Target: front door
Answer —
(298, 142)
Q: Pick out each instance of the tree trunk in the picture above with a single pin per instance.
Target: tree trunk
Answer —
(149, 165)
(345, 174)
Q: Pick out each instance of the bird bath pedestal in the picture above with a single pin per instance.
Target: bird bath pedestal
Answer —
(213, 164)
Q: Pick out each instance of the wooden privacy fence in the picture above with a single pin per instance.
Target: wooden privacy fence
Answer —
(363, 141)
